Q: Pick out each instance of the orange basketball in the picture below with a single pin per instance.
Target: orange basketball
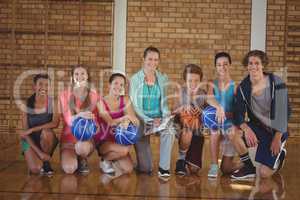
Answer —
(190, 118)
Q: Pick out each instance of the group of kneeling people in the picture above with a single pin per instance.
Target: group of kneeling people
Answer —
(255, 112)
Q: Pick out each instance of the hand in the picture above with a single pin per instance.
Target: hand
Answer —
(192, 110)
(220, 115)
(23, 134)
(98, 128)
(120, 120)
(156, 122)
(177, 110)
(276, 145)
(188, 108)
(124, 124)
(250, 137)
(112, 130)
(44, 157)
(86, 115)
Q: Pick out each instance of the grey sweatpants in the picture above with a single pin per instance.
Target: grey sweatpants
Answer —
(143, 149)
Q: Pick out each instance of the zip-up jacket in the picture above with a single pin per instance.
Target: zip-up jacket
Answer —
(136, 93)
(280, 108)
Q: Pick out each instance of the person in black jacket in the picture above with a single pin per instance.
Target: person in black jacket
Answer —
(261, 112)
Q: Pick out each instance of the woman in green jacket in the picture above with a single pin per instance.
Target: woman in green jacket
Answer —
(148, 95)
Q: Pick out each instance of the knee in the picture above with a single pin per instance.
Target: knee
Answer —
(227, 165)
(231, 136)
(35, 169)
(225, 169)
(125, 151)
(47, 132)
(167, 137)
(47, 135)
(128, 169)
(265, 173)
(69, 168)
(184, 144)
(234, 134)
(83, 148)
(185, 139)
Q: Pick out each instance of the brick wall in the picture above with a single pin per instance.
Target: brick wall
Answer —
(193, 31)
(188, 32)
(292, 61)
(275, 45)
(283, 50)
(37, 35)
(49, 35)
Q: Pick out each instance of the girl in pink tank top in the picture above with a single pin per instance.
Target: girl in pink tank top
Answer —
(114, 109)
(77, 101)
(105, 132)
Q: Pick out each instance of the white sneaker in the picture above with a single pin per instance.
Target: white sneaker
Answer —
(106, 166)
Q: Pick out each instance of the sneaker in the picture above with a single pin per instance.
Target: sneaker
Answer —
(83, 166)
(244, 173)
(106, 166)
(163, 173)
(281, 159)
(46, 169)
(213, 171)
(180, 167)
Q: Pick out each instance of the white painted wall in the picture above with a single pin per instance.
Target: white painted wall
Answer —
(258, 24)
(119, 35)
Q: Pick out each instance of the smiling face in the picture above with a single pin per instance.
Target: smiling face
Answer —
(193, 82)
(255, 68)
(41, 87)
(151, 61)
(222, 66)
(117, 86)
(80, 77)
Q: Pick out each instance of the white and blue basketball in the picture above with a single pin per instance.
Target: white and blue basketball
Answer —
(127, 136)
(210, 121)
(209, 118)
(83, 129)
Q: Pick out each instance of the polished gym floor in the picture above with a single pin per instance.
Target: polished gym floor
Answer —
(16, 183)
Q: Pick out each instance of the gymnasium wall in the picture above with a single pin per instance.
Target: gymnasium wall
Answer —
(52, 35)
(192, 31)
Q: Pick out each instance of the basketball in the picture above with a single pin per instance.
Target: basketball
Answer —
(210, 121)
(209, 118)
(83, 129)
(190, 118)
(127, 136)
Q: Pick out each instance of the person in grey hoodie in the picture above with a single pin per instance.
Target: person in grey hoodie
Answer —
(261, 112)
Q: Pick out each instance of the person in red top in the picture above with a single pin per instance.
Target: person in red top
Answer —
(115, 108)
(78, 100)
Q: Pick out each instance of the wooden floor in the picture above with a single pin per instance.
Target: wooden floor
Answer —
(17, 184)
